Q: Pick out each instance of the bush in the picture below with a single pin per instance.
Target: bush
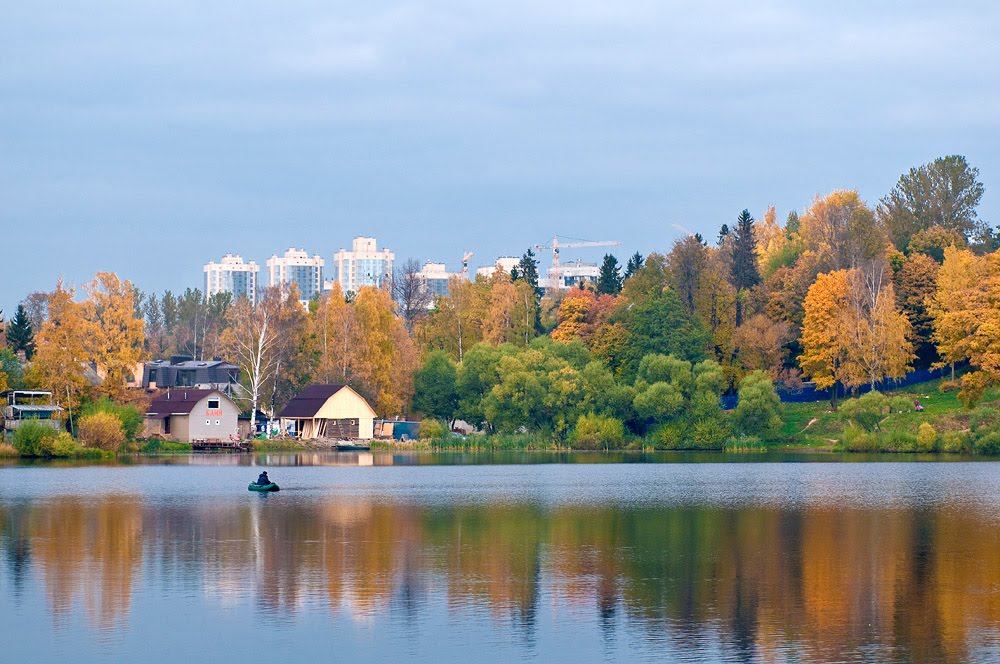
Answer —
(101, 430)
(867, 410)
(33, 439)
(709, 435)
(672, 436)
(955, 442)
(432, 429)
(598, 432)
(926, 437)
(128, 416)
(899, 441)
(988, 443)
(758, 406)
(900, 404)
(859, 440)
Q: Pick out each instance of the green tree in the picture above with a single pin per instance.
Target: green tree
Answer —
(758, 410)
(435, 387)
(528, 271)
(945, 192)
(744, 265)
(634, 263)
(609, 282)
(10, 367)
(660, 325)
(20, 335)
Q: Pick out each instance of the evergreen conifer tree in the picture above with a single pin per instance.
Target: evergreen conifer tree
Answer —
(529, 270)
(20, 336)
(609, 281)
(745, 274)
(633, 265)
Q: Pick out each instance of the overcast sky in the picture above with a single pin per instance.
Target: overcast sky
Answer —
(146, 138)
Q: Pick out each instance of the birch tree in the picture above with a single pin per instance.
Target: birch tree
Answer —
(251, 340)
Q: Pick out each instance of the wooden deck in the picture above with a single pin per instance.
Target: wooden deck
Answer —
(217, 445)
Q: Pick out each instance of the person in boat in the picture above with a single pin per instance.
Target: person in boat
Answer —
(263, 479)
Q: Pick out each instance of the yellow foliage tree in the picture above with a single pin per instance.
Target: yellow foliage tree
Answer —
(332, 332)
(60, 349)
(385, 359)
(572, 314)
(116, 343)
(852, 332)
(823, 351)
(966, 315)
(456, 324)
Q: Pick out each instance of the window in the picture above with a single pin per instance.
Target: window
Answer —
(152, 375)
(218, 422)
(213, 404)
(208, 422)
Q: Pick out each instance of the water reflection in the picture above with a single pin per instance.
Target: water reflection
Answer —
(769, 583)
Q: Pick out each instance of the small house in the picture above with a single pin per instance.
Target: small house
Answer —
(330, 411)
(193, 415)
(182, 371)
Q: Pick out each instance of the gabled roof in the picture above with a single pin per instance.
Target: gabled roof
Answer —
(179, 401)
(308, 402)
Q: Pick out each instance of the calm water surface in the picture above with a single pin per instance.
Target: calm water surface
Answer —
(391, 557)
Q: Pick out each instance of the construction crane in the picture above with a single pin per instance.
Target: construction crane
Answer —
(555, 272)
(465, 263)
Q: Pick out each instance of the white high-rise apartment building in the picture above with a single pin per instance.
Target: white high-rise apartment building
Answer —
(364, 265)
(502, 264)
(297, 267)
(232, 275)
(435, 278)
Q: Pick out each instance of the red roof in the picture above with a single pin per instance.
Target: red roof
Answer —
(178, 402)
(308, 402)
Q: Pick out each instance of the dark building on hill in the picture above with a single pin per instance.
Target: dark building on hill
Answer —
(182, 371)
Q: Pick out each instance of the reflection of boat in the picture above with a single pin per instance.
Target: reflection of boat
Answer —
(351, 447)
(263, 487)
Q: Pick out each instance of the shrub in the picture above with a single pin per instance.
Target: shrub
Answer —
(672, 436)
(900, 404)
(926, 437)
(985, 419)
(899, 441)
(867, 410)
(859, 440)
(709, 435)
(758, 407)
(129, 417)
(598, 432)
(33, 439)
(955, 442)
(988, 443)
(947, 386)
(101, 430)
(432, 429)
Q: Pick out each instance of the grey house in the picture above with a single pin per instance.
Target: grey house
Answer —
(192, 416)
(181, 371)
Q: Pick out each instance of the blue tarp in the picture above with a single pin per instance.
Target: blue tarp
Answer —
(809, 393)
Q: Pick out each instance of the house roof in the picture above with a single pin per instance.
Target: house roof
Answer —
(308, 402)
(178, 402)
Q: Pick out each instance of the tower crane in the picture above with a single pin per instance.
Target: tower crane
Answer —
(465, 263)
(555, 272)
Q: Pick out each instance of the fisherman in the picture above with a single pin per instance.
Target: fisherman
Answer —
(263, 480)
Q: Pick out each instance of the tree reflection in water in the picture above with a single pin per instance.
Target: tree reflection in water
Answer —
(766, 581)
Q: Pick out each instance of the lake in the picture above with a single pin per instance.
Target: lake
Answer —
(503, 557)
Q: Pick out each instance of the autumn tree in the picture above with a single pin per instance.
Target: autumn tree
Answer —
(385, 360)
(456, 323)
(511, 312)
(20, 335)
(572, 314)
(824, 353)
(760, 344)
(916, 282)
(116, 343)
(842, 231)
(966, 317)
(332, 330)
(686, 262)
(934, 240)
(60, 349)
(609, 281)
(945, 193)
